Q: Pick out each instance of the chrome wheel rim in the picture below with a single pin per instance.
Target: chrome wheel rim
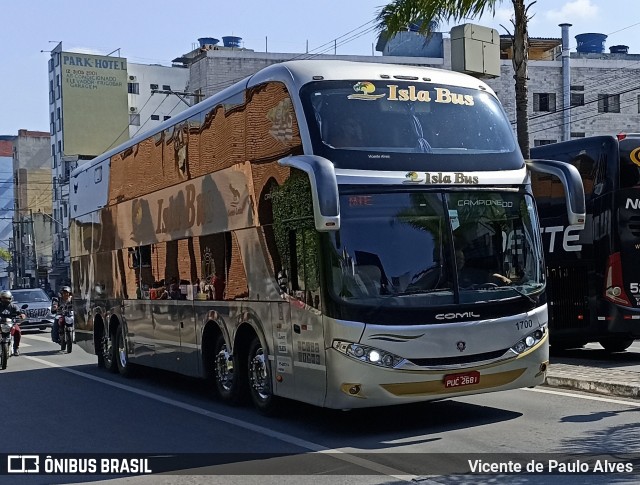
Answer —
(258, 376)
(224, 369)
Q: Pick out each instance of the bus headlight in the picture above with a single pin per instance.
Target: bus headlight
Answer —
(530, 340)
(367, 354)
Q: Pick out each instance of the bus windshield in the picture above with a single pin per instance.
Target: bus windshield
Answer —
(404, 118)
(426, 248)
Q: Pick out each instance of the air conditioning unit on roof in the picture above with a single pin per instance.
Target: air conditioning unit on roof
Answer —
(133, 109)
(132, 78)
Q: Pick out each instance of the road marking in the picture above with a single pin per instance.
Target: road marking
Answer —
(584, 396)
(334, 452)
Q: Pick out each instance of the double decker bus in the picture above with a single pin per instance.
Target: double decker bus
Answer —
(343, 234)
(593, 270)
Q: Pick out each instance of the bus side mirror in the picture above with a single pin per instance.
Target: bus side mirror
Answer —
(572, 183)
(324, 189)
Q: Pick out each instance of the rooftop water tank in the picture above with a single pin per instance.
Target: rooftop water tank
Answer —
(204, 41)
(231, 41)
(619, 49)
(593, 43)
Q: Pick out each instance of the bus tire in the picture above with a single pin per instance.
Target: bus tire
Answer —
(616, 344)
(260, 383)
(227, 374)
(122, 357)
(4, 356)
(109, 353)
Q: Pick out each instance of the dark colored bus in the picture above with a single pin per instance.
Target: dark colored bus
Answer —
(593, 273)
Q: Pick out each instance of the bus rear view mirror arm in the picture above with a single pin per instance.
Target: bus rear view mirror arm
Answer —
(324, 189)
(572, 183)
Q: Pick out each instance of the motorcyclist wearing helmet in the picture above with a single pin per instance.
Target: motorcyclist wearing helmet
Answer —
(8, 309)
(58, 307)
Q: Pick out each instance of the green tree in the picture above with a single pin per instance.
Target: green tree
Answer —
(5, 254)
(397, 15)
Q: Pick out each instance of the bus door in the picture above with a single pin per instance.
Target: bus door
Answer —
(624, 266)
(307, 332)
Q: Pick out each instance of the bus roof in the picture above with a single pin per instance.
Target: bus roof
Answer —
(300, 72)
(305, 71)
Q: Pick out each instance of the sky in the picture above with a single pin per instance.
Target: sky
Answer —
(155, 32)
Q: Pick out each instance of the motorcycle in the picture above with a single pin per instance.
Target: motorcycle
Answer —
(66, 330)
(6, 338)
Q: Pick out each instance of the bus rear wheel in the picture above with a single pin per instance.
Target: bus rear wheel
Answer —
(122, 360)
(260, 383)
(616, 344)
(108, 351)
(227, 373)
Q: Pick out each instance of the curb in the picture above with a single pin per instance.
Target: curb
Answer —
(611, 382)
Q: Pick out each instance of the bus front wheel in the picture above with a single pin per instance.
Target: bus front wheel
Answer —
(616, 344)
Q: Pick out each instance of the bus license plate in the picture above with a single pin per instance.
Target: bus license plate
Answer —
(462, 379)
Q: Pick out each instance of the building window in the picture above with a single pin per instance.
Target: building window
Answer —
(153, 86)
(638, 103)
(166, 117)
(166, 87)
(60, 147)
(577, 87)
(133, 88)
(577, 134)
(577, 99)
(155, 117)
(539, 143)
(51, 64)
(134, 120)
(608, 103)
(544, 102)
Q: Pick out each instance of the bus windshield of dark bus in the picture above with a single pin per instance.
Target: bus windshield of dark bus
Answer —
(424, 248)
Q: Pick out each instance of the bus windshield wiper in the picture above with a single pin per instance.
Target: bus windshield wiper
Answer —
(420, 291)
(522, 293)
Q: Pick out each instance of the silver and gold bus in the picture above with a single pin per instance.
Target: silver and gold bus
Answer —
(343, 234)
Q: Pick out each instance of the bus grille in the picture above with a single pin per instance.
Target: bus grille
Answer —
(568, 292)
(634, 225)
(463, 359)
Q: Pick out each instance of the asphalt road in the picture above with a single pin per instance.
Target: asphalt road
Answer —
(63, 404)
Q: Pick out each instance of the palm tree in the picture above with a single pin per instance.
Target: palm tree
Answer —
(396, 16)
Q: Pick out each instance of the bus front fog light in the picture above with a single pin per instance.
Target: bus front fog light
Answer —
(530, 341)
(388, 360)
(357, 351)
(520, 347)
(374, 356)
